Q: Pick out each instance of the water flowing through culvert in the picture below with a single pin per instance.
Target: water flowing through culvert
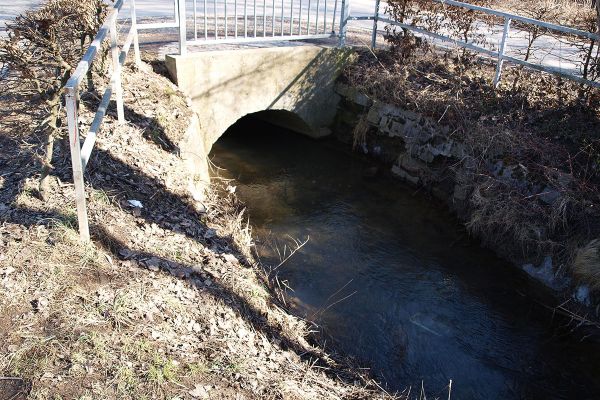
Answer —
(392, 279)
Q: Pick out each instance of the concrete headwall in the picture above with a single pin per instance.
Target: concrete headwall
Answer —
(296, 85)
(225, 85)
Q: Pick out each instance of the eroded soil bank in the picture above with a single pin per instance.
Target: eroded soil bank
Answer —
(167, 301)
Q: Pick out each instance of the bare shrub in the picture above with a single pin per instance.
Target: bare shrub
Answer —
(588, 49)
(422, 13)
(39, 54)
(463, 23)
(546, 10)
(434, 17)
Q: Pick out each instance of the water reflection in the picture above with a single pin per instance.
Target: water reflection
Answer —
(392, 280)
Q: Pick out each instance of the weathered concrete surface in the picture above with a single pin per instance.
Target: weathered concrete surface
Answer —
(288, 86)
(227, 85)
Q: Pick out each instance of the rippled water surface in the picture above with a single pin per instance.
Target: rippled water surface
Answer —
(393, 281)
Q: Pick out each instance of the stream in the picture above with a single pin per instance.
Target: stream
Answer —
(393, 280)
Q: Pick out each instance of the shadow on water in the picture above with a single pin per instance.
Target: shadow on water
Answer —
(393, 279)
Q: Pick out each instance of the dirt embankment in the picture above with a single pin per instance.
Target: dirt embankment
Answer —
(166, 302)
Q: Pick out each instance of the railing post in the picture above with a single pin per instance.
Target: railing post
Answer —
(343, 22)
(375, 20)
(116, 70)
(136, 41)
(176, 11)
(334, 17)
(195, 5)
(182, 27)
(75, 145)
(501, 52)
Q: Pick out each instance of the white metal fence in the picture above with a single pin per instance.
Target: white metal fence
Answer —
(230, 21)
(81, 154)
(501, 53)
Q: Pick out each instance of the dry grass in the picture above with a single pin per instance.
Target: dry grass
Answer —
(523, 143)
(586, 266)
(359, 134)
(167, 301)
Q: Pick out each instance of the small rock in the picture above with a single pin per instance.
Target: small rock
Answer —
(135, 203)
(153, 264)
(549, 195)
(6, 271)
(156, 335)
(199, 392)
(210, 233)
(180, 273)
(125, 253)
(42, 302)
(200, 207)
(582, 295)
(230, 258)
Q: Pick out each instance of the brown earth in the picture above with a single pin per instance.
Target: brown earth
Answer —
(167, 301)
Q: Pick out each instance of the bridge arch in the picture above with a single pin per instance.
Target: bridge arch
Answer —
(291, 86)
(288, 120)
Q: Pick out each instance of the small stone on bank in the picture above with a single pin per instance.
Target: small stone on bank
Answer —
(199, 392)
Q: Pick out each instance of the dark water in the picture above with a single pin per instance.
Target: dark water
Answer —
(393, 281)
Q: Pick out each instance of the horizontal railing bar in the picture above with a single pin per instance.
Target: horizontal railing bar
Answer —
(201, 42)
(158, 25)
(551, 70)
(361, 18)
(513, 60)
(441, 37)
(516, 17)
(90, 54)
(90, 140)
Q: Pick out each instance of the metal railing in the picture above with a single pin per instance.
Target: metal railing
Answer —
(235, 21)
(80, 154)
(499, 55)
(239, 21)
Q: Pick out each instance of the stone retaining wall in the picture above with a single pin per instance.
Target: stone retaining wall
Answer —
(418, 149)
(424, 153)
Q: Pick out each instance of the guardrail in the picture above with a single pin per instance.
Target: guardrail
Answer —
(500, 55)
(81, 154)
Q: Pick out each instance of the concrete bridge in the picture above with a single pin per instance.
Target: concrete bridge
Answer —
(291, 86)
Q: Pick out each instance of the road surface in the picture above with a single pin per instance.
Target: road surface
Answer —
(549, 51)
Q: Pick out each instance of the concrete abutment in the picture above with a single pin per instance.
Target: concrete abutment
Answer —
(295, 84)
